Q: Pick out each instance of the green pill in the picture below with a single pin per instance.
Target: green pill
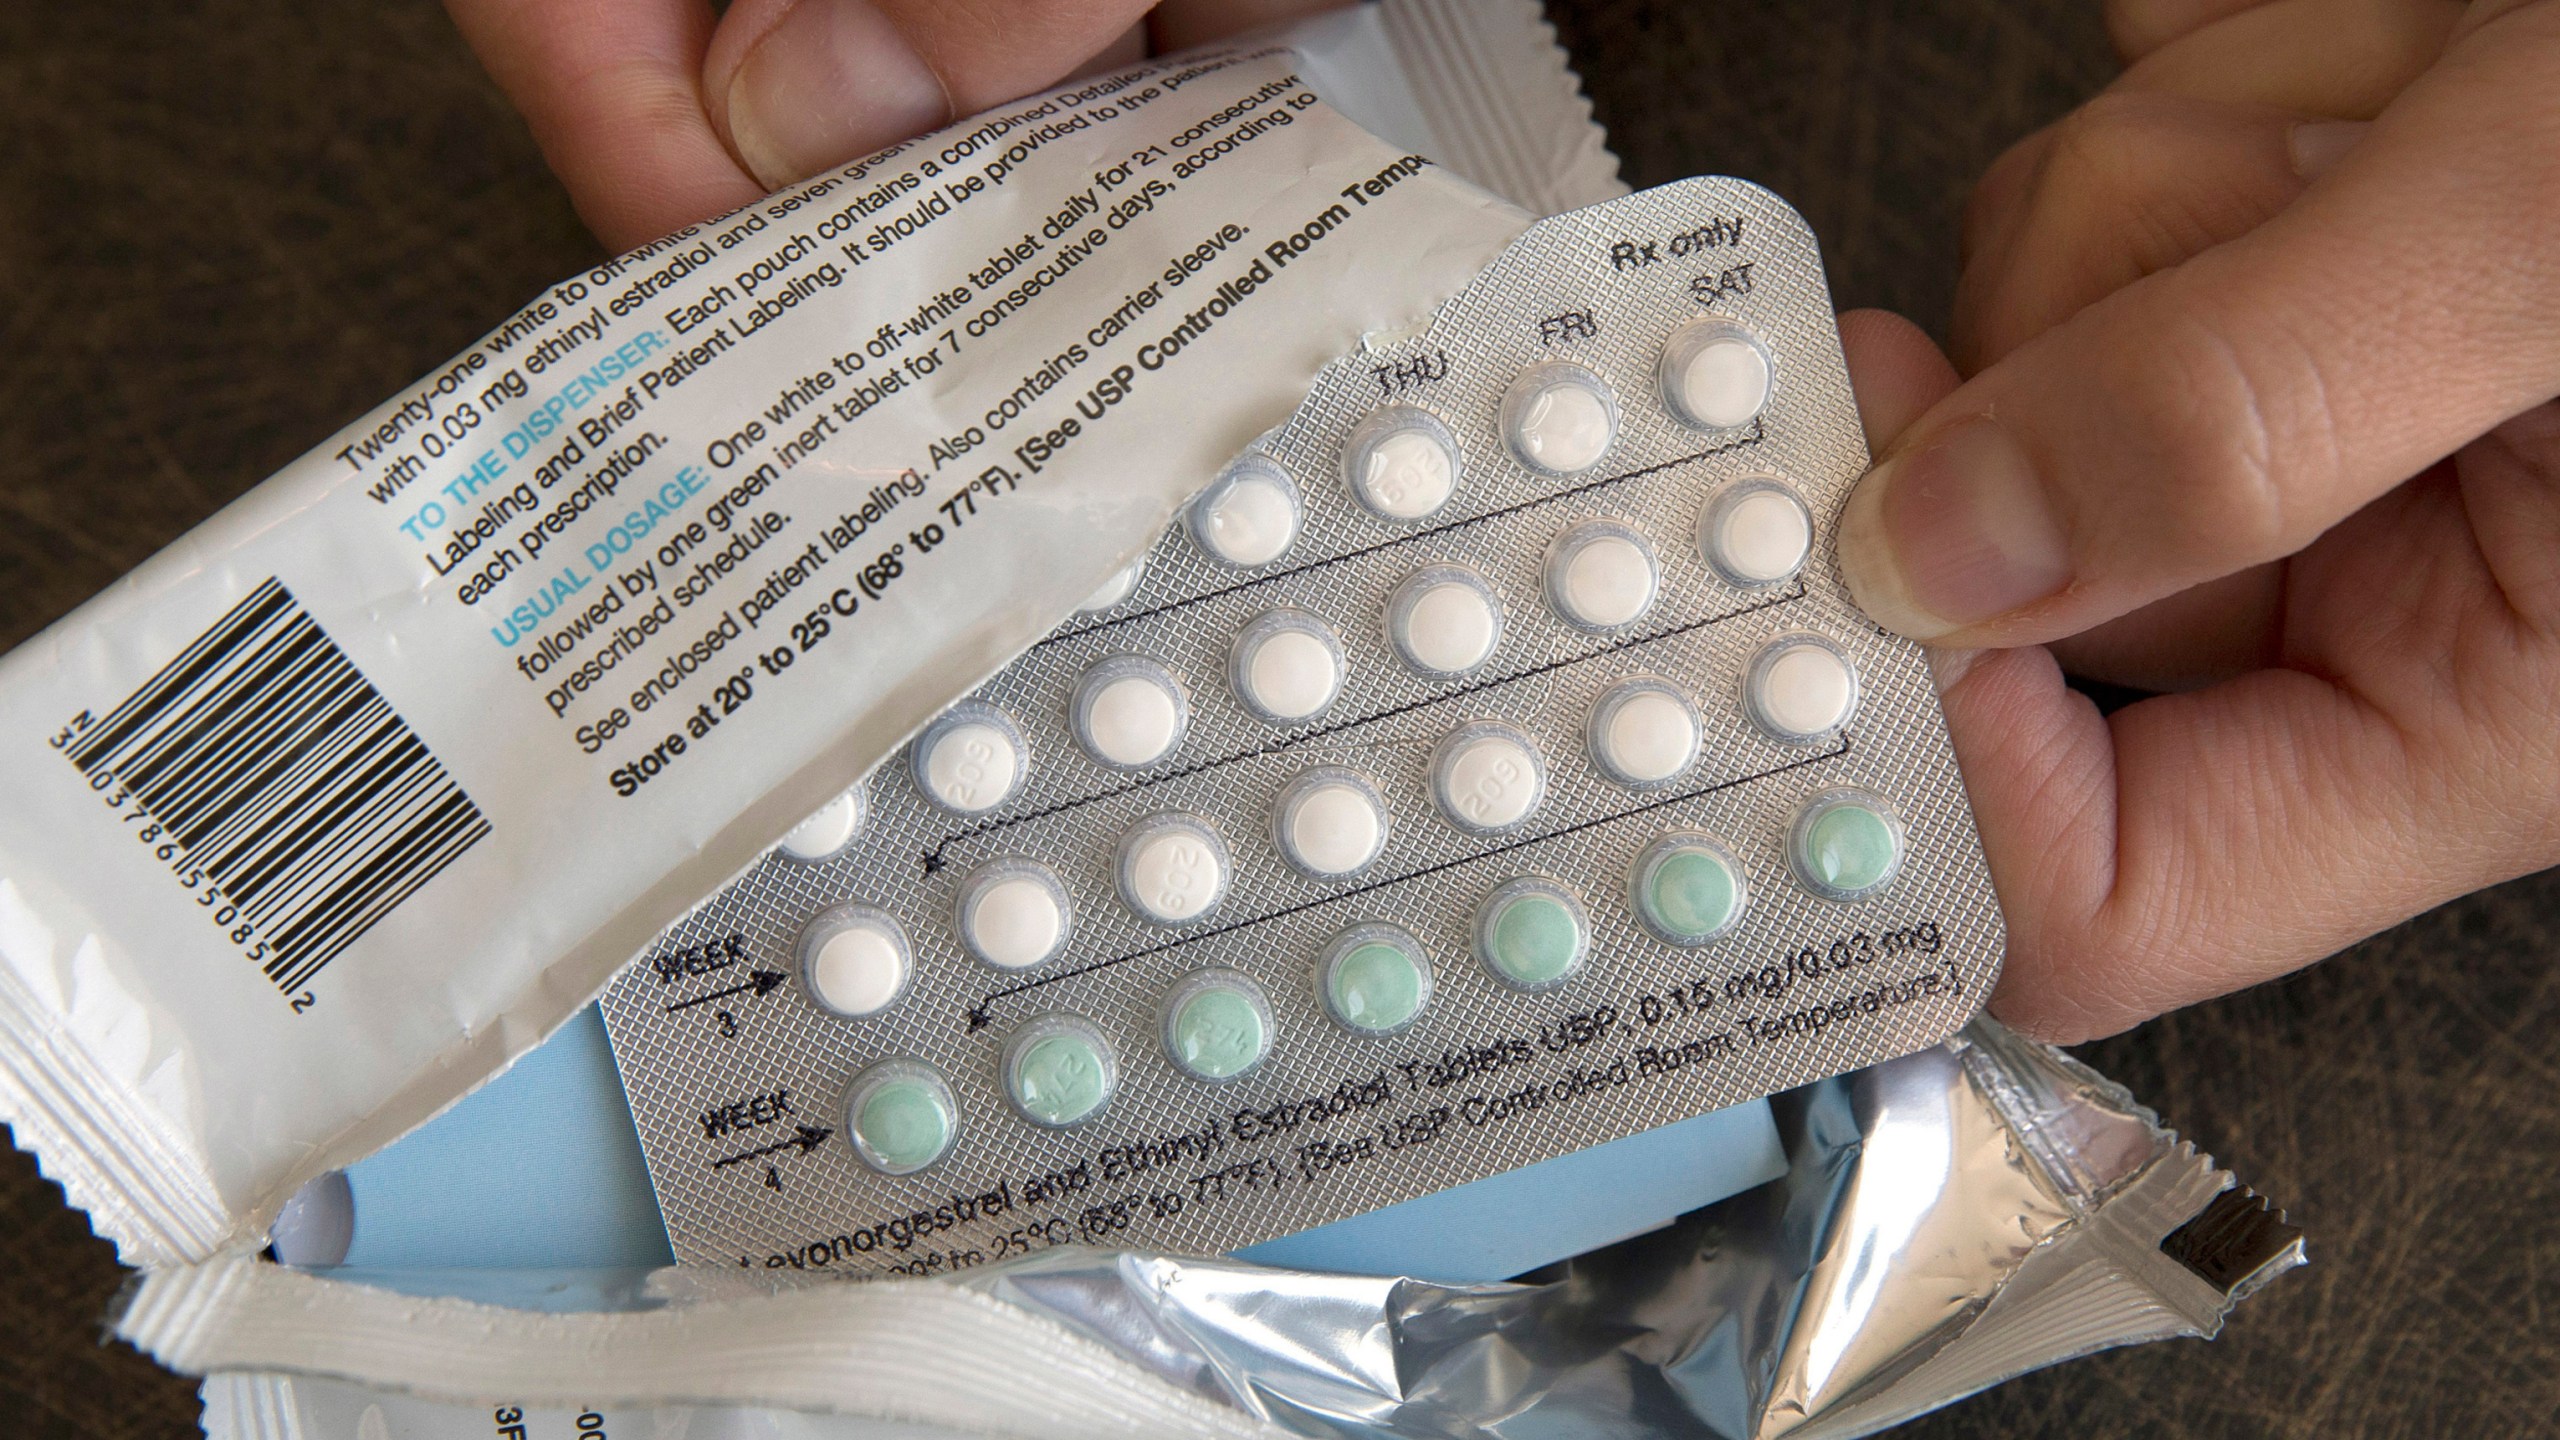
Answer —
(905, 1125)
(1375, 981)
(901, 1117)
(1532, 934)
(1847, 845)
(1058, 1071)
(1216, 1029)
(1687, 889)
(1691, 893)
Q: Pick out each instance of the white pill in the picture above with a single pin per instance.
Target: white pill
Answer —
(1715, 375)
(1601, 575)
(1134, 721)
(1801, 687)
(829, 830)
(1725, 383)
(1444, 620)
(858, 971)
(1248, 516)
(1292, 675)
(970, 760)
(1643, 733)
(1013, 914)
(1402, 463)
(1608, 582)
(1129, 712)
(1173, 869)
(854, 960)
(1756, 532)
(1408, 475)
(1559, 418)
(1331, 823)
(972, 767)
(1116, 589)
(1287, 666)
(1487, 777)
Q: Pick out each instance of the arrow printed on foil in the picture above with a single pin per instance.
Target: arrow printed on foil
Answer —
(809, 1138)
(763, 982)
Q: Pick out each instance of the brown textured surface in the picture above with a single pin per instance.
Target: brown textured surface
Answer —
(227, 228)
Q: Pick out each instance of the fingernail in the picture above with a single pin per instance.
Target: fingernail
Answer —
(1952, 532)
(832, 81)
(2318, 144)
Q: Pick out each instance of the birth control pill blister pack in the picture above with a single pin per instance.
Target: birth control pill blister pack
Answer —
(1489, 765)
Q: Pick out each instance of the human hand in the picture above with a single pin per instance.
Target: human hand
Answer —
(659, 113)
(2260, 415)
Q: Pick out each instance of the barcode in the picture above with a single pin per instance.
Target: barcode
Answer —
(288, 780)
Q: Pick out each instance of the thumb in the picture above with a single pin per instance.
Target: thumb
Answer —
(797, 86)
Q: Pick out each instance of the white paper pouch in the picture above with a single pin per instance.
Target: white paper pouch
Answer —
(347, 798)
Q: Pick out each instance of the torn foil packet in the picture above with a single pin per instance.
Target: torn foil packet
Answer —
(1948, 1220)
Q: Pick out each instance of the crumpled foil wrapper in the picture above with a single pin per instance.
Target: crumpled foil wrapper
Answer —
(1948, 1220)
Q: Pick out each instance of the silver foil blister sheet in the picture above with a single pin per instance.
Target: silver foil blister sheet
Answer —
(736, 1081)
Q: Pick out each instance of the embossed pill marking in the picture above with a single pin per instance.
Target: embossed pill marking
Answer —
(1488, 777)
(1058, 1070)
(1217, 1025)
(971, 759)
(1173, 869)
(1401, 463)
